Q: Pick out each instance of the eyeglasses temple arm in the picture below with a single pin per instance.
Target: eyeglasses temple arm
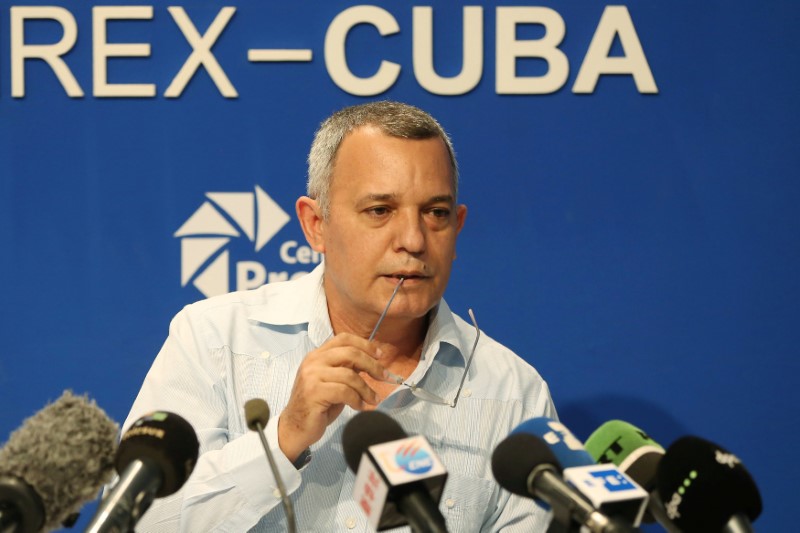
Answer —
(469, 360)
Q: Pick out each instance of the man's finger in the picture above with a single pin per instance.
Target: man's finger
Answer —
(345, 376)
(371, 348)
(354, 359)
(345, 395)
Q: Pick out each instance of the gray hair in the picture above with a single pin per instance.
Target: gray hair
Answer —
(392, 118)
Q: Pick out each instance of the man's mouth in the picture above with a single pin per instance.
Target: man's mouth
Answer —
(408, 276)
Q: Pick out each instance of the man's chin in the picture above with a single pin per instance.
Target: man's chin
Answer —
(412, 307)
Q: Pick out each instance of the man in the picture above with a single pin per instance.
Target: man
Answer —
(381, 207)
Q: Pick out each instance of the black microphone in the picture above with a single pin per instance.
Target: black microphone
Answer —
(525, 465)
(256, 413)
(155, 458)
(399, 480)
(55, 463)
(705, 488)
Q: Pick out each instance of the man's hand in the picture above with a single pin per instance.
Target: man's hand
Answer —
(326, 381)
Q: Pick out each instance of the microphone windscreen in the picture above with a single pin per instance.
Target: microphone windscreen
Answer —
(256, 412)
(165, 439)
(567, 449)
(65, 453)
(515, 458)
(366, 429)
(703, 485)
(628, 447)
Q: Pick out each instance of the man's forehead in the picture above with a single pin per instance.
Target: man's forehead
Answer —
(369, 136)
(370, 157)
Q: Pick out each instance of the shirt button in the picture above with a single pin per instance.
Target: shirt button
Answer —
(276, 493)
(450, 503)
(265, 355)
(466, 393)
(350, 523)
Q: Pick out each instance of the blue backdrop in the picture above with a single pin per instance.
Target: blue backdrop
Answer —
(630, 170)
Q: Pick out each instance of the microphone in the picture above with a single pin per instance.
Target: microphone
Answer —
(638, 455)
(705, 488)
(628, 447)
(608, 489)
(524, 464)
(154, 459)
(256, 413)
(399, 479)
(568, 450)
(55, 463)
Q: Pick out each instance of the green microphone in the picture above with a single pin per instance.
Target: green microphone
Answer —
(636, 454)
(629, 448)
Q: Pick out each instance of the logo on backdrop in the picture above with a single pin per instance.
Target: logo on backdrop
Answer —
(600, 59)
(219, 228)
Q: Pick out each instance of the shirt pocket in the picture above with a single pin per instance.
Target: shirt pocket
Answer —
(465, 502)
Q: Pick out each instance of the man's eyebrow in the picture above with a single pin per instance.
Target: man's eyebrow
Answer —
(376, 197)
(392, 197)
(442, 198)
(380, 197)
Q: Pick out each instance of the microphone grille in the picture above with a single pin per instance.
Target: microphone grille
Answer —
(256, 411)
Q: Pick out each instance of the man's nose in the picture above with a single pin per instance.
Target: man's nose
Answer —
(410, 233)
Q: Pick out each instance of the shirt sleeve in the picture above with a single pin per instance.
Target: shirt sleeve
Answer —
(231, 487)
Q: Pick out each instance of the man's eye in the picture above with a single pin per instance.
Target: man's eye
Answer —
(378, 211)
(440, 212)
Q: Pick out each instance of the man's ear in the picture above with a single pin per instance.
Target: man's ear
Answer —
(461, 216)
(310, 216)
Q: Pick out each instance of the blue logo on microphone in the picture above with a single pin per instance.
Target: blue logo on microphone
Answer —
(613, 481)
(411, 458)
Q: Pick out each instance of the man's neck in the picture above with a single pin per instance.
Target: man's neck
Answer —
(398, 337)
(400, 342)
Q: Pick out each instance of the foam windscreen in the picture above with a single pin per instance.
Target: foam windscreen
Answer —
(165, 439)
(515, 458)
(568, 450)
(703, 485)
(64, 453)
(366, 429)
(628, 447)
(256, 411)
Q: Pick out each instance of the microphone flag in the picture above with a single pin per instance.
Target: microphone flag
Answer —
(390, 465)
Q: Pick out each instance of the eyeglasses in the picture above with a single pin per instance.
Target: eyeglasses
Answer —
(416, 390)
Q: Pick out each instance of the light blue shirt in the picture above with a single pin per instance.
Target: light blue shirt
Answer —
(228, 349)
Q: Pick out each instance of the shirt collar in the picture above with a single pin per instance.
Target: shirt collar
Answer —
(305, 303)
(442, 329)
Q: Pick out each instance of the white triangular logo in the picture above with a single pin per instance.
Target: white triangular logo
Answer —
(240, 206)
(214, 280)
(206, 221)
(271, 218)
(195, 252)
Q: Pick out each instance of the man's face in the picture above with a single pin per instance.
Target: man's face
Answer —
(392, 213)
